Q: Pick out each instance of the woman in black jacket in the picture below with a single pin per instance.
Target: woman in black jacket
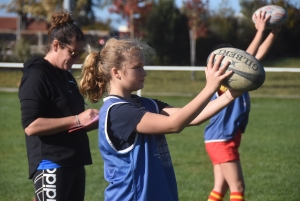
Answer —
(51, 104)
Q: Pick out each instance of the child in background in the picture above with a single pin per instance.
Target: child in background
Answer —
(223, 133)
(137, 162)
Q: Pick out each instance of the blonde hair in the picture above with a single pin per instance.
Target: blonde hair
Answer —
(95, 74)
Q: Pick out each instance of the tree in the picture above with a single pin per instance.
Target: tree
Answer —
(82, 10)
(195, 11)
(287, 43)
(21, 51)
(134, 11)
(248, 7)
(290, 31)
(167, 32)
(17, 6)
(226, 26)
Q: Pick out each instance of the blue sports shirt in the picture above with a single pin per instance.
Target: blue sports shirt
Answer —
(144, 170)
(224, 125)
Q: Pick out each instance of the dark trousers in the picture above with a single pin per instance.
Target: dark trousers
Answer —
(61, 184)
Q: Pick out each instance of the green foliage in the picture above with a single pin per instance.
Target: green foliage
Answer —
(97, 26)
(22, 51)
(286, 43)
(196, 11)
(226, 27)
(168, 34)
(269, 154)
(239, 31)
(4, 47)
(167, 29)
(248, 7)
(82, 10)
(289, 45)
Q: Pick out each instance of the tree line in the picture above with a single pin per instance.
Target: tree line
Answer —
(168, 31)
(178, 33)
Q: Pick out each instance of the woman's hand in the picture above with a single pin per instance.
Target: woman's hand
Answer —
(87, 116)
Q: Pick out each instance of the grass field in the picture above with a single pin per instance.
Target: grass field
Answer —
(282, 84)
(269, 154)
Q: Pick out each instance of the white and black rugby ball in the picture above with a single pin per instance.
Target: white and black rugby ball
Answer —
(249, 73)
(278, 15)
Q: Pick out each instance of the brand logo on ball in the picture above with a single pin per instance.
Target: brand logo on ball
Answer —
(248, 73)
(238, 55)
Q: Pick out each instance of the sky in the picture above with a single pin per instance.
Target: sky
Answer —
(213, 5)
(103, 14)
(116, 20)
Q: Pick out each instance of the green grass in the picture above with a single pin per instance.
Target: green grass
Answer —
(179, 82)
(286, 62)
(269, 154)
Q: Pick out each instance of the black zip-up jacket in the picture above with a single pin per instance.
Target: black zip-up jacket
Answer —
(49, 92)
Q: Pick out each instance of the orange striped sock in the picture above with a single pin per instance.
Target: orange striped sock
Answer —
(215, 196)
(237, 196)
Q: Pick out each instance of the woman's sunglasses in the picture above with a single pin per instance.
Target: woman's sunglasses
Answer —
(74, 53)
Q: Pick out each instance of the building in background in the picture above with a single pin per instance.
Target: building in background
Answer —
(35, 33)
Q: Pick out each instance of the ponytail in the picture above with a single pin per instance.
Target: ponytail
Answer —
(93, 81)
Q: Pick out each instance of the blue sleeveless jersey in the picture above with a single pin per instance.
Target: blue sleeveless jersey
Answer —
(224, 125)
(143, 171)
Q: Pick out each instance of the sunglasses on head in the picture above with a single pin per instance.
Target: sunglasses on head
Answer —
(74, 53)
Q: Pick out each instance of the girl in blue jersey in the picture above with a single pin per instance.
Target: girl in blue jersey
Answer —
(137, 162)
(223, 133)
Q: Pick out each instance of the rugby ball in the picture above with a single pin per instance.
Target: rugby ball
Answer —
(248, 72)
(278, 15)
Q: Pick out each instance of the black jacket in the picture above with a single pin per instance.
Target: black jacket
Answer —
(49, 92)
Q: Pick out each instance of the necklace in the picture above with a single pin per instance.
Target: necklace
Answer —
(64, 80)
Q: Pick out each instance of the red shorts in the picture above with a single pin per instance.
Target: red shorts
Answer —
(221, 152)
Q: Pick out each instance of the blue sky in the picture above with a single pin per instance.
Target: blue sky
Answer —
(116, 21)
(104, 14)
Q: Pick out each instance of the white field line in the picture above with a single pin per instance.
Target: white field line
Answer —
(166, 68)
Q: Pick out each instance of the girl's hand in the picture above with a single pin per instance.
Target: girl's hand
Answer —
(216, 72)
(261, 20)
(232, 94)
